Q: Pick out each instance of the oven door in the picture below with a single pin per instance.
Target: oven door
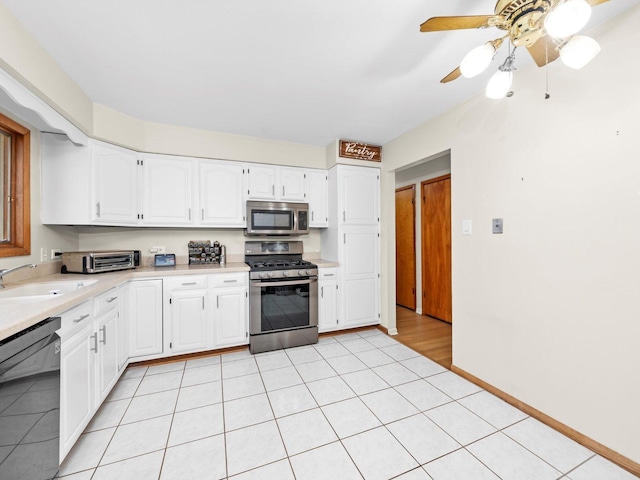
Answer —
(280, 305)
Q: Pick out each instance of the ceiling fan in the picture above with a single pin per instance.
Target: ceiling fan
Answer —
(546, 28)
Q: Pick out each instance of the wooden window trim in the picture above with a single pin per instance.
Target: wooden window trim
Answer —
(20, 234)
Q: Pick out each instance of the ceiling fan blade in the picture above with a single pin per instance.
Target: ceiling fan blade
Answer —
(452, 76)
(593, 3)
(544, 51)
(437, 24)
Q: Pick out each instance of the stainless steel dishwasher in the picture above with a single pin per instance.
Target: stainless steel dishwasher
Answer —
(30, 403)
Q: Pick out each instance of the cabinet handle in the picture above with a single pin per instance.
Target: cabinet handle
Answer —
(203, 214)
(217, 301)
(230, 281)
(344, 216)
(344, 238)
(328, 274)
(78, 320)
(98, 209)
(112, 299)
(189, 283)
(273, 190)
(312, 215)
(321, 292)
(189, 214)
(283, 190)
(95, 342)
(104, 334)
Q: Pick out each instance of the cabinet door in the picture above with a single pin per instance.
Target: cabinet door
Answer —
(115, 185)
(262, 182)
(123, 327)
(291, 184)
(145, 317)
(107, 355)
(359, 193)
(167, 191)
(327, 306)
(76, 387)
(222, 194)
(188, 321)
(360, 281)
(230, 316)
(317, 196)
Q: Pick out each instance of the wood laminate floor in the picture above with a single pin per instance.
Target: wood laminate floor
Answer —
(426, 335)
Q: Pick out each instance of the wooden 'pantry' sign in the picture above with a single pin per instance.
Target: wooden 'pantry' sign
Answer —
(360, 151)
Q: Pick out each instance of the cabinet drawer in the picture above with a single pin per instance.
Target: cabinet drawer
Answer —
(106, 301)
(327, 274)
(229, 279)
(188, 282)
(77, 317)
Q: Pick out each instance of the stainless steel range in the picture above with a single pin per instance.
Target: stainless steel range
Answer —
(283, 296)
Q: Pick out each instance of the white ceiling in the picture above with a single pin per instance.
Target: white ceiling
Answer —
(291, 70)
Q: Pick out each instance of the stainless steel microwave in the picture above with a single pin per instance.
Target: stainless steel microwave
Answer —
(277, 218)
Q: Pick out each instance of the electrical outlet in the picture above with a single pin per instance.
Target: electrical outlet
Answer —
(157, 250)
(496, 224)
(55, 253)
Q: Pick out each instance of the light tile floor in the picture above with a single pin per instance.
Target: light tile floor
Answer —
(354, 406)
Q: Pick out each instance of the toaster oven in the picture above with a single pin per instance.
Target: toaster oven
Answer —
(100, 261)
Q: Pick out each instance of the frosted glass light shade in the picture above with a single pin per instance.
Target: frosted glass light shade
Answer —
(579, 51)
(499, 84)
(477, 60)
(567, 18)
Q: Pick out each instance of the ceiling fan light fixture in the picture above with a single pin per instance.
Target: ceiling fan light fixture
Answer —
(477, 60)
(567, 18)
(579, 51)
(499, 84)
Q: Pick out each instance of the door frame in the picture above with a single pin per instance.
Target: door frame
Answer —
(413, 236)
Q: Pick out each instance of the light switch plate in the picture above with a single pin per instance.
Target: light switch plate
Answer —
(466, 226)
(497, 225)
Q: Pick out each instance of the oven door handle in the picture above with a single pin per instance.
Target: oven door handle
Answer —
(258, 283)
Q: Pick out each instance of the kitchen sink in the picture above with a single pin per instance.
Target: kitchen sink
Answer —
(34, 292)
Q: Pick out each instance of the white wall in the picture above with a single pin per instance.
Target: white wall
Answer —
(548, 311)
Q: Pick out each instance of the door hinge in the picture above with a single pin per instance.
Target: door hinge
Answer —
(378, 177)
(170, 301)
(336, 321)
(378, 235)
(248, 170)
(378, 315)
(246, 334)
(305, 175)
(243, 171)
(378, 275)
(246, 294)
(170, 344)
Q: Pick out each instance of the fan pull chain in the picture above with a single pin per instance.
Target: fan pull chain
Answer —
(546, 71)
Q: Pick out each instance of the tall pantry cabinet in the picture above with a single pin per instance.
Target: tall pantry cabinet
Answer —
(353, 240)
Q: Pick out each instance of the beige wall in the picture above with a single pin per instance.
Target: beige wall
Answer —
(548, 311)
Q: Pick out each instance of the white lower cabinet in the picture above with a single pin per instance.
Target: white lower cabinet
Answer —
(328, 299)
(230, 299)
(105, 340)
(77, 373)
(186, 319)
(145, 318)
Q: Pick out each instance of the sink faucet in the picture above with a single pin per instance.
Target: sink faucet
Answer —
(9, 270)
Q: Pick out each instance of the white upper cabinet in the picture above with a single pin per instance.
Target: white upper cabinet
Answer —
(221, 186)
(359, 189)
(167, 191)
(262, 182)
(270, 182)
(103, 184)
(115, 184)
(317, 196)
(291, 184)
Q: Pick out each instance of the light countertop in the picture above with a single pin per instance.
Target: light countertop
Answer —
(15, 317)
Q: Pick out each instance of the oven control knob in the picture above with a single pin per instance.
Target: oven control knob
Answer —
(308, 272)
(263, 274)
(270, 274)
(301, 273)
(285, 274)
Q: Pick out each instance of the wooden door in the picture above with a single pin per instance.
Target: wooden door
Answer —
(436, 248)
(406, 247)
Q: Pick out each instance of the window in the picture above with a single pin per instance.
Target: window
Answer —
(15, 223)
